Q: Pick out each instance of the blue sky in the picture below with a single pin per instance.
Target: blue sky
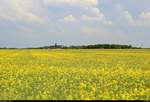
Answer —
(32, 23)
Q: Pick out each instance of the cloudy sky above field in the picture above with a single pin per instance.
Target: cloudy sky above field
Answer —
(27, 23)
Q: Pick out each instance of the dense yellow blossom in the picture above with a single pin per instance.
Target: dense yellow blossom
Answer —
(75, 74)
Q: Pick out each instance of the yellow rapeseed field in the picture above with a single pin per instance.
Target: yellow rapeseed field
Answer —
(75, 74)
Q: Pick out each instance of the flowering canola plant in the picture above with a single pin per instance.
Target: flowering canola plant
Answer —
(75, 74)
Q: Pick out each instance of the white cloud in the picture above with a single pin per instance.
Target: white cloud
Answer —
(69, 18)
(145, 16)
(129, 18)
(97, 15)
(72, 2)
(88, 5)
(142, 20)
(27, 10)
(19, 10)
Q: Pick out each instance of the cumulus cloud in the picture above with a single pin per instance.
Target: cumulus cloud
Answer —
(27, 10)
(129, 18)
(97, 15)
(89, 5)
(72, 2)
(19, 10)
(143, 18)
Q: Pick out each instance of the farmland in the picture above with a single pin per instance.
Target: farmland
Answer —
(75, 74)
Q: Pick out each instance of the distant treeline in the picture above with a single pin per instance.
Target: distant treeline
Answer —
(7, 48)
(96, 46)
(104, 46)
